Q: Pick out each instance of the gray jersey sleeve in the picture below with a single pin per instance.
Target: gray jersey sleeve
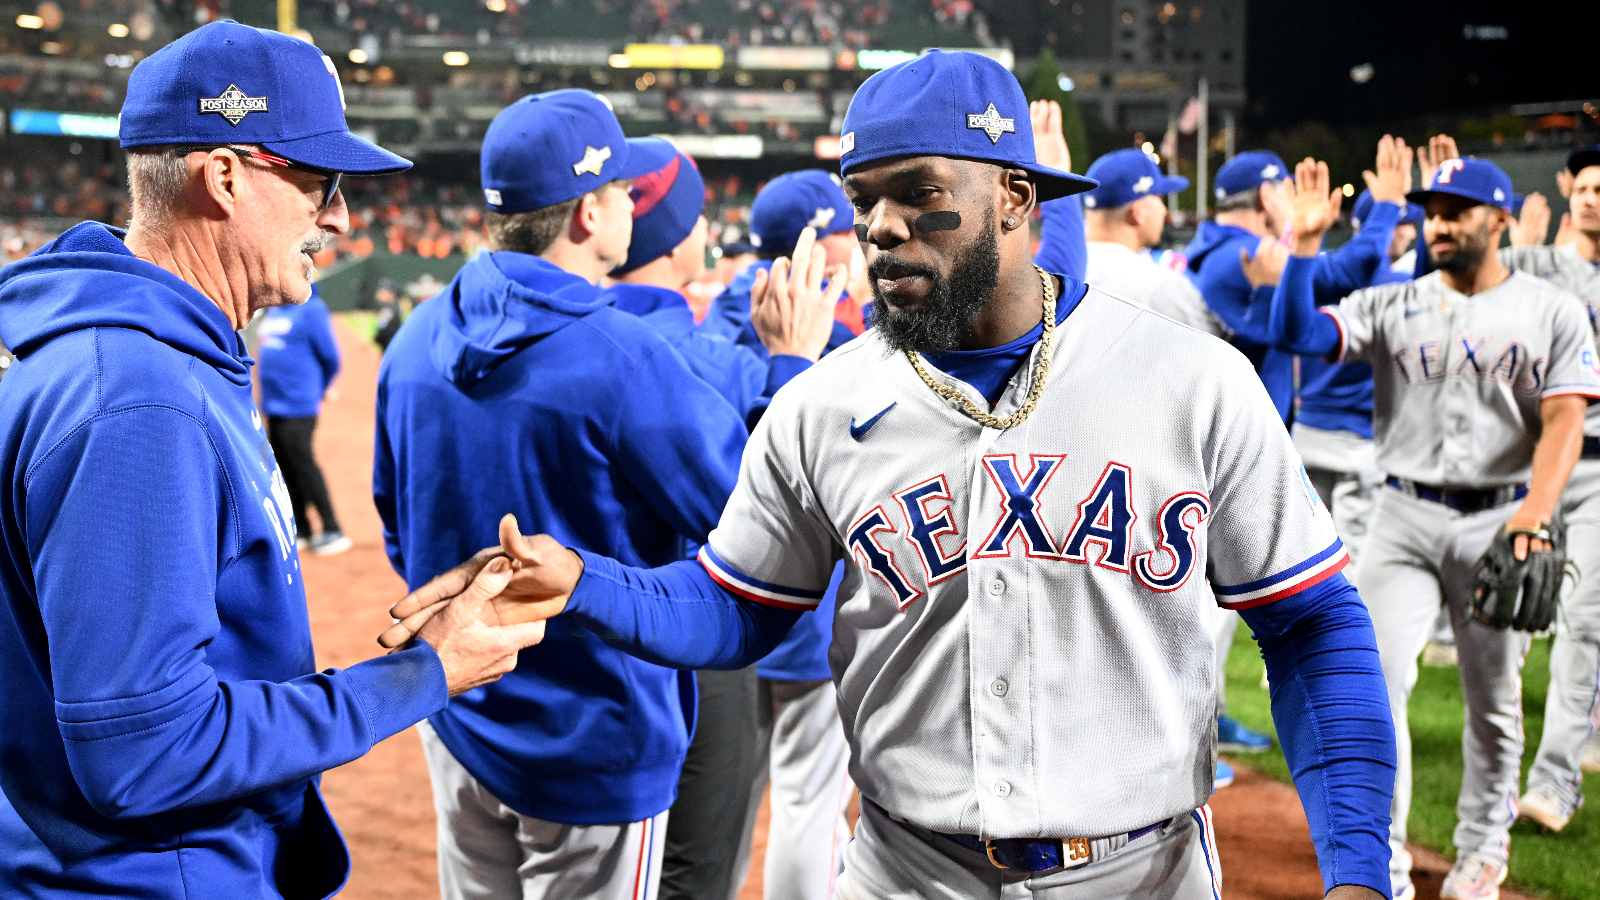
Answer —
(1179, 300)
(1573, 368)
(773, 544)
(1268, 534)
(1360, 320)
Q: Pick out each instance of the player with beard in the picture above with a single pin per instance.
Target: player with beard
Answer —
(1032, 536)
(1481, 375)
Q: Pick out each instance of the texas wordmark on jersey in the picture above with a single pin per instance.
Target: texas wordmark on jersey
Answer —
(1021, 644)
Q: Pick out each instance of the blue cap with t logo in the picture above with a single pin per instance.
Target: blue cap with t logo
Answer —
(1475, 179)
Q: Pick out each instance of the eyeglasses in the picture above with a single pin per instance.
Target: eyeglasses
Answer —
(327, 192)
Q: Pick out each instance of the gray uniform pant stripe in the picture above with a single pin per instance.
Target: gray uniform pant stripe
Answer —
(1417, 555)
(488, 851)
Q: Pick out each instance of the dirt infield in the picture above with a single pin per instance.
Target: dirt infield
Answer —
(383, 804)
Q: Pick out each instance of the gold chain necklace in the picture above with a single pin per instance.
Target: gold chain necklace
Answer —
(1040, 375)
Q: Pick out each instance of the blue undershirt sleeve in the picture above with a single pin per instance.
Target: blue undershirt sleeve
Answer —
(675, 615)
(1354, 266)
(1296, 324)
(1063, 247)
(1332, 714)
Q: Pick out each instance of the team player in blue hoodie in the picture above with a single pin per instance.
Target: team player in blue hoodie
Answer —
(520, 388)
(1250, 207)
(299, 360)
(779, 716)
(165, 724)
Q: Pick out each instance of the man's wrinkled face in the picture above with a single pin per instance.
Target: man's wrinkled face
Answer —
(1585, 201)
(932, 274)
(1459, 231)
(284, 227)
(1275, 203)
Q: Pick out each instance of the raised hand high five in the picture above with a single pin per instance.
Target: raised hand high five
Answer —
(791, 312)
(1534, 223)
(1392, 181)
(1313, 206)
(1440, 148)
(1049, 143)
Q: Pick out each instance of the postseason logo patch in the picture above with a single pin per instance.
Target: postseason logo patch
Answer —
(233, 105)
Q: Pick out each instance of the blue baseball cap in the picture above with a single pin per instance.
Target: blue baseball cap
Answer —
(226, 83)
(795, 201)
(1580, 158)
(1126, 176)
(557, 146)
(953, 104)
(1410, 214)
(1477, 180)
(1248, 170)
(666, 204)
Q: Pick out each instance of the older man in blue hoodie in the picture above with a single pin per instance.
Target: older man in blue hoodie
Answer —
(520, 389)
(164, 721)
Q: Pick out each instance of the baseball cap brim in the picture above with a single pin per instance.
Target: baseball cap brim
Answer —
(1054, 184)
(1421, 198)
(1169, 184)
(644, 157)
(1582, 158)
(340, 151)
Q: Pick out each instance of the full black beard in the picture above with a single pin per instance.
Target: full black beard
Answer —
(951, 305)
(1468, 255)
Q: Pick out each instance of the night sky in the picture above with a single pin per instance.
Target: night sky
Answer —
(1300, 55)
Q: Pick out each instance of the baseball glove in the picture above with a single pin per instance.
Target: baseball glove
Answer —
(1508, 593)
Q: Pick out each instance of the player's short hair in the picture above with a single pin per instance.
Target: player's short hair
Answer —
(1240, 201)
(536, 230)
(156, 179)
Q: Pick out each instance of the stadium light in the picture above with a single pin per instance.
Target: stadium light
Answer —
(1349, 190)
(456, 58)
(496, 6)
(619, 61)
(29, 21)
(1148, 147)
(358, 55)
(117, 30)
(1065, 82)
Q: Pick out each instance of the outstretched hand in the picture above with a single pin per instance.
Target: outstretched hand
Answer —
(1049, 143)
(1440, 148)
(1392, 181)
(473, 651)
(542, 577)
(791, 312)
(1313, 206)
(1533, 224)
(1264, 269)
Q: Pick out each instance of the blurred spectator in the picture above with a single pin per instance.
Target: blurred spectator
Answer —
(387, 300)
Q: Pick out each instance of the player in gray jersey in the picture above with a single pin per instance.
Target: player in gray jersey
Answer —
(1481, 378)
(1034, 532)
(1572, 708)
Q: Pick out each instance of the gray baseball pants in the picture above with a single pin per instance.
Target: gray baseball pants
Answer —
(893, 860)
(1343, 467)
(1572, 708)
(488, 851)
(1418, 555)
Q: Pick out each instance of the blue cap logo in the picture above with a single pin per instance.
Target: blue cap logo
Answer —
(233, 105)
(993, 124)
(1142, 186)
(822, 218)
(592, 161)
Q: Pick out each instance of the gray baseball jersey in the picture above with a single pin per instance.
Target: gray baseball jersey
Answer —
(1457, 380)
(1564, 268)
(1115, 269)
(1021, 643)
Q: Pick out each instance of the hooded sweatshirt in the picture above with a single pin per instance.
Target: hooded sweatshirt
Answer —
(519, 389)
(1214, 265)
(299, 358)
(164, 723)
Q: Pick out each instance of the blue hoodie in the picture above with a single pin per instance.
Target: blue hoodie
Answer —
(299, 358)
(164, 721)
(1214, 265)
(519, 389)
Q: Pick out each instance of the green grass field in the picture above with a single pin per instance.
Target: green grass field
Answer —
(1563, 866)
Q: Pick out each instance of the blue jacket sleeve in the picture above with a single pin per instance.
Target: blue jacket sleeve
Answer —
(674, 615)
(781, 370)
(1358, 263)
(678, 442)
(383, 484)
(1245, 310)
(326, 346)
(1063, 248)
(1332, 713)
(126, 563)
(1296, 324)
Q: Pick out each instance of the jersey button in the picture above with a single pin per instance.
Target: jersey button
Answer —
(997, 587)
(998, 687)
(1002, 788)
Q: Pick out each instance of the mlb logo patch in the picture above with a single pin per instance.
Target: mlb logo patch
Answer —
(492, 196)
(847, 143)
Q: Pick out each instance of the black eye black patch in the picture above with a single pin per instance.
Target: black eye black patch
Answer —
(943, 220)
(861, 233)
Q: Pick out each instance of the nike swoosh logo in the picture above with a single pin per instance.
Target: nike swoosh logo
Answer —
(860, 431)
(1415, 312)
